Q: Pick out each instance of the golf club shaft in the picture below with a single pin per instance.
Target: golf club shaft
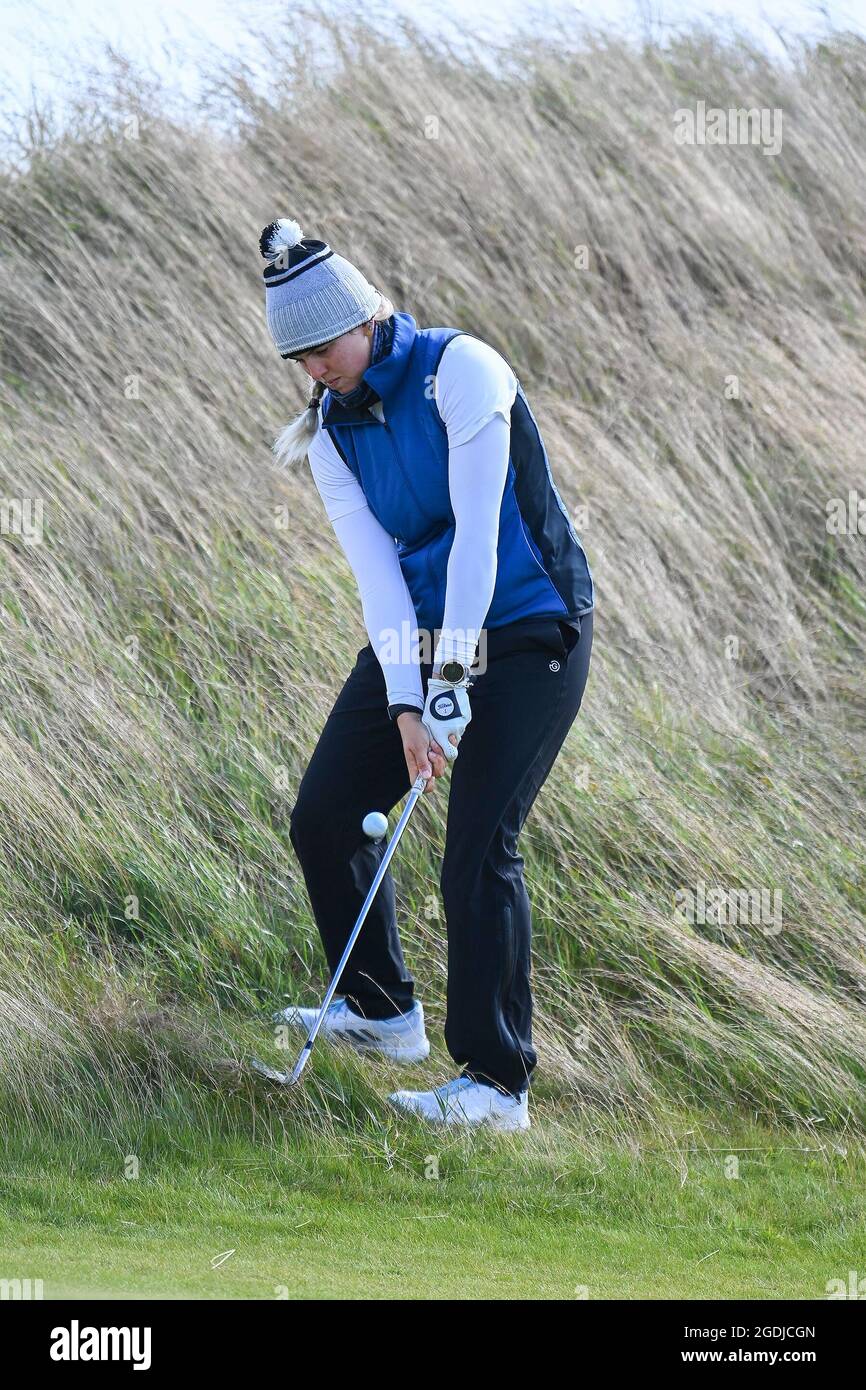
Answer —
(417, 789)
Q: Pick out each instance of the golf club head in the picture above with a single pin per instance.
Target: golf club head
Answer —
(282, 1078)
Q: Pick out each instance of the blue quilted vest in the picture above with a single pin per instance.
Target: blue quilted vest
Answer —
(402, 467)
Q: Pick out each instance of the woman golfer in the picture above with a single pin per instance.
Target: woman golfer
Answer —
(478, 601)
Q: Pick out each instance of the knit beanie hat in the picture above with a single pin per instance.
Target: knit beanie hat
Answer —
(311, 294)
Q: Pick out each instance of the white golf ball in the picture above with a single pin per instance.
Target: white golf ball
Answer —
(375, 825)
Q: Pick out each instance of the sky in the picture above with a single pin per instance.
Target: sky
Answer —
(44, 43)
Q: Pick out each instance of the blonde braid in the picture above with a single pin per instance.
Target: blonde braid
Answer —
(292, 444)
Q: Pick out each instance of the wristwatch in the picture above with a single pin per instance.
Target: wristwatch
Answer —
(454, 672)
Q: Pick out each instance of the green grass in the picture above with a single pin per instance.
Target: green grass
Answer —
(544, 1215)
(142, 1190)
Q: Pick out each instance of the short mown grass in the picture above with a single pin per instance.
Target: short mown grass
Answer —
(385, 1209)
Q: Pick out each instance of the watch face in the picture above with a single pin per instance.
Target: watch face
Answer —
(453, 671)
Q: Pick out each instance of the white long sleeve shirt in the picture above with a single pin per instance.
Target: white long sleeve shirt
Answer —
(474, 392)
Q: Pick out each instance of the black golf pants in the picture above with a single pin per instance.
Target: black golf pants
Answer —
(523, 706)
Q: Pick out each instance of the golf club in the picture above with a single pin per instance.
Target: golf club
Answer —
(372, 823)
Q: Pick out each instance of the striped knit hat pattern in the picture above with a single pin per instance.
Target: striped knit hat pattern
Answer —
(311, 294)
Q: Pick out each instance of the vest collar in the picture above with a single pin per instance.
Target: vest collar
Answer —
(384, 376)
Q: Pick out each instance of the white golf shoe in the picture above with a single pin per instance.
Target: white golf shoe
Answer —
(402, 1039)
(465, 1102)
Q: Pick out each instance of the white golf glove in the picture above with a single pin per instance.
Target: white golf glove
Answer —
(446, 712)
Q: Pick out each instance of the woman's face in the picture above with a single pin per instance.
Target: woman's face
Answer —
(342, 362)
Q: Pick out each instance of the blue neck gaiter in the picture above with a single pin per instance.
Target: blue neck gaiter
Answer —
(364, 394)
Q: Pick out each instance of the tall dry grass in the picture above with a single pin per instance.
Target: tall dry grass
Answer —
(154, 719)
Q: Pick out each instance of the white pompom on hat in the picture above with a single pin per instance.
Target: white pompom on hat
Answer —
(311, 294)
(279, 236)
